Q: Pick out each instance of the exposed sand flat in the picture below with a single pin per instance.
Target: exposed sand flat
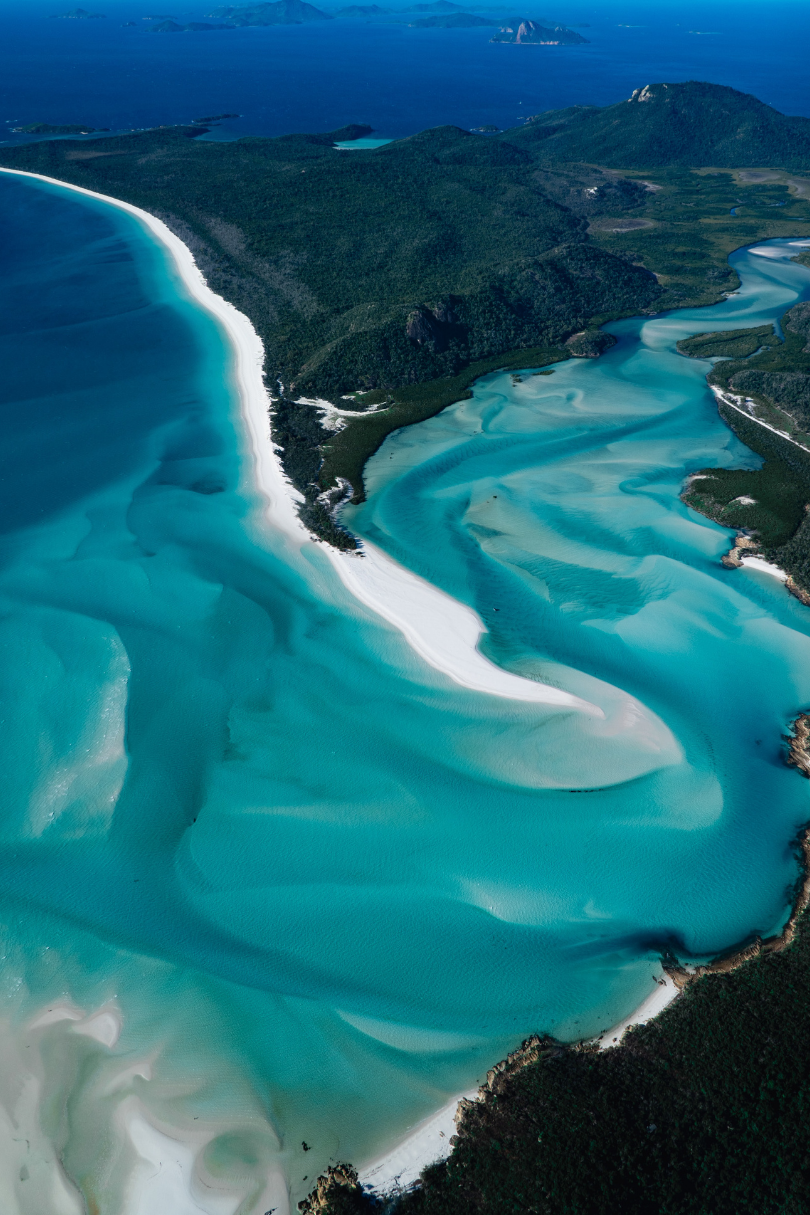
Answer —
(442, 630)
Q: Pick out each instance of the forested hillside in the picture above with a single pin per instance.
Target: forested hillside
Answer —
(393, 277)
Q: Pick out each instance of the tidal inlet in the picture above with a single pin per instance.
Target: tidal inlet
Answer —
(296, 844)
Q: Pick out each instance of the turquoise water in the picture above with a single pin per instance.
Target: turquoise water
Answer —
(324, 886)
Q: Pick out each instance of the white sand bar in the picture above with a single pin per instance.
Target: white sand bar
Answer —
(442, 630)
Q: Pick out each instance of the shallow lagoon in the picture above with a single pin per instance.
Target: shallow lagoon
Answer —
(313, 886)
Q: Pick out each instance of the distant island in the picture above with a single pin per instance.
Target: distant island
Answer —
(214, 118)
(452, 21)
(50, 128)
(76, 14)
(172, 27)
(541, 239)
(279, 12)
(531, 33)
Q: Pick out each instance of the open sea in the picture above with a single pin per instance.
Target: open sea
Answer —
(268, 880)
(319, 76)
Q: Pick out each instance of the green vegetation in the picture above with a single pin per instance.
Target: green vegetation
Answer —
(731, 343)
(50, 128)
(405, 271)
(769, 501)
(700, 1112)
(346, 454)
(776, 386)
(662, 125)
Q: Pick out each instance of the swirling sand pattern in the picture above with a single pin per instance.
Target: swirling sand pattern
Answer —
(268, 876)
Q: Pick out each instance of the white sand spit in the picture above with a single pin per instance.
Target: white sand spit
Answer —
(444, 631)
(440, 629)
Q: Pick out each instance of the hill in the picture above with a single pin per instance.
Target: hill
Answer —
(673, 124)
(521, 30)
(280, 12)
(453, 21)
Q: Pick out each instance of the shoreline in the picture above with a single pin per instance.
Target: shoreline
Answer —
(400, 1168)
(449, 643)
(430, 1140)
(441, 629)
(248, 350)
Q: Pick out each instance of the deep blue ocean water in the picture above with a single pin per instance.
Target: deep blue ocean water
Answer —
(324, 886)
(318, 77)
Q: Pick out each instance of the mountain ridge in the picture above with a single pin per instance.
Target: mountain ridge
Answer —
(692, 123)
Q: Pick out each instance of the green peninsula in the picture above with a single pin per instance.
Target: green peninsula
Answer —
(408, 270)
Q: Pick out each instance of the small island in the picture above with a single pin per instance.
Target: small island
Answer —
(531, 33)
(727, 344)
(76, 14)
(50, 128)
(452, 21)
(279, 12)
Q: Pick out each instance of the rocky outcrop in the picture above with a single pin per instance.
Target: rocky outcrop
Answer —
(799, 744)
(589, 343)
(532, 33)
(744, 543)
(681, 977)
(434, 327)
(798, 591)
(338, 1191)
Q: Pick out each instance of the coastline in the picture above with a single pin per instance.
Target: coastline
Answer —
(424, 1144)
(248, 349)
(443, 631)
(430, 1140)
